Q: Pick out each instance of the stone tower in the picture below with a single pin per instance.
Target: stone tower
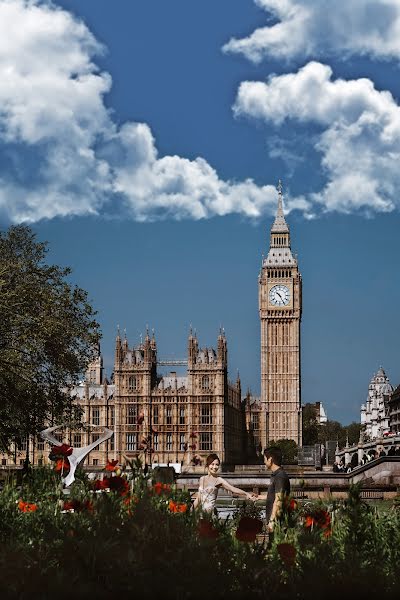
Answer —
(280, 315)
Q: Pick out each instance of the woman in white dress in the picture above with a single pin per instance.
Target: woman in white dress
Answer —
(209, 485)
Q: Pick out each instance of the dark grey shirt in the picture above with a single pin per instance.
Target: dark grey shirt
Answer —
(279, 484)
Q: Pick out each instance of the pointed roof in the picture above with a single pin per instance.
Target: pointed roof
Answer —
(280, 225)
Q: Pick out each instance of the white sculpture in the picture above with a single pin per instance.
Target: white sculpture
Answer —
(78, 454)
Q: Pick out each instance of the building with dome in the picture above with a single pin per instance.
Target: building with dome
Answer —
(375, 412)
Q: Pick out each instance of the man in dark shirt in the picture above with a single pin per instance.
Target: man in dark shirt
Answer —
(278, 488)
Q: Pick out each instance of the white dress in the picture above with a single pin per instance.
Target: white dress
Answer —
(208, 493)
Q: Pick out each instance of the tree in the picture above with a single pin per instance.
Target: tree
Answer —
(47, 336)
(310, 425)
(289, 450)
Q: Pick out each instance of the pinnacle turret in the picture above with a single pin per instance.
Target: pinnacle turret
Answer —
(280, 225)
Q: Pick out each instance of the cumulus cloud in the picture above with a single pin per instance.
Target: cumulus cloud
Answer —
(317, 29)
(60, 151)
(358, 132)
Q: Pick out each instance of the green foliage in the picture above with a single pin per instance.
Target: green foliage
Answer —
(135, 545)
(47, 336)
(314, 433)
(289, 450)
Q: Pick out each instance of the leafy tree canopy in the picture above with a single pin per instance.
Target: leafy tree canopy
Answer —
(314, 433)
(289, 450)
(47, 335)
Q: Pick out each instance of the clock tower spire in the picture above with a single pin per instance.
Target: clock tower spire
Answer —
(280, 316)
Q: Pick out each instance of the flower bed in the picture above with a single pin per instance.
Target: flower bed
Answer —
(124, 535)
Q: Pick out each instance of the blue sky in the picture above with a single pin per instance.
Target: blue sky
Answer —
(144, 141)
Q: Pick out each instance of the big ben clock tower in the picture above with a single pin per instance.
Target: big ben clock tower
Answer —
(280, 315)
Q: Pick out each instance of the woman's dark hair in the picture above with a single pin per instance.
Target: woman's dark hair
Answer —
(211, 457)
(275, 453)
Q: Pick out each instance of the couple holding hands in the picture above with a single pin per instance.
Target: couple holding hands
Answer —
(278, 488)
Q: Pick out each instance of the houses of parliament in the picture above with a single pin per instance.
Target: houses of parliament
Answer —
(181, 419)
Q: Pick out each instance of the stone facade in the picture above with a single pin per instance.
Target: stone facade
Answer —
(280, 306)
(375, 412)
(394, 411)
(162, 419)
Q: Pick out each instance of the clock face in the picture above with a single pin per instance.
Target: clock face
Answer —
(279, 295)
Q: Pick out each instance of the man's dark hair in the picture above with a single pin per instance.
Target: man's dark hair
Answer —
(275, 453)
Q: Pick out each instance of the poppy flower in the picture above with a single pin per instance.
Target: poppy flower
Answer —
(27, 507)
(62, 464)
(206, 529)
(175, 507)
(102, 484)
(310, 521)
(119, 485)
(111, 465)
(287, 552)
(70, 505)
(248, 529)
(161, 488)
(61, 451)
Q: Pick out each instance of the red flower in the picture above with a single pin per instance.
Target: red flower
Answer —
(60, 451)
(310, 521)
(118, 484)
(77, 505)
(62, 464)
(161, 488)
(287, 552)
(27, 507)
(111, 465)
(70, 505)
(248, 529)
(320, 518)
(101, 484)
(206, 529)
(175, 507)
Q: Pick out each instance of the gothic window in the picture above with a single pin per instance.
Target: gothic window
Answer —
(4, 462)
(169, 415)
(111, 415)
(155, 415)
(182, 415)
(40, 444)
(77, 440)
(182, 442)
(205, 441)
(205, 415)
(92, 376)
(255, 421)
(133, 383)
(155, 442)
(169, 441)
(112, 443)
(205, 382)
(95, 462)
(96, 415)
(131, 441)
(131, 415)
(95, 437)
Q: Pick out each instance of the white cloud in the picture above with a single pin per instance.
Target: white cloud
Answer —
(359, 132)
(321, 28)
(62, 154)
